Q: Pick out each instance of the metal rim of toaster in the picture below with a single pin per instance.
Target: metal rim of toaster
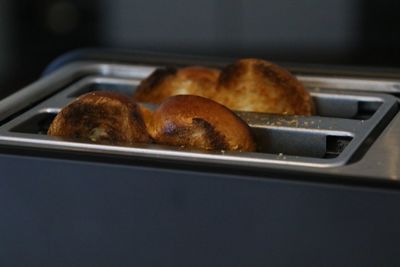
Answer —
(83, 74)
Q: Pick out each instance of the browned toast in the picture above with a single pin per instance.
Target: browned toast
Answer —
(165, 82)
(101, 117)
(246, 85)
(260, 86)
(198, 122)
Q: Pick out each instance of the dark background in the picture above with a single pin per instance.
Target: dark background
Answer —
(344, 32)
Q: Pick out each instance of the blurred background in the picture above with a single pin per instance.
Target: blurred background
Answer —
(344, 32)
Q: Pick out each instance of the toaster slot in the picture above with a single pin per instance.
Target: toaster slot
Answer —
(339, 106)
(126, 87)
(303, 143)
(37, 124)
(270, 140)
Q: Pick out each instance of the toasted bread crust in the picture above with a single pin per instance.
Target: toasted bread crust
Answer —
(198, 122)
(247, 85)
(101, 117)
(165, 82)
(261, 86)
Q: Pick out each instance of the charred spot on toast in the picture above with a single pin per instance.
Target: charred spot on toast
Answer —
(78, 112)
(200, 134)
(269, 72)
(216, 140)
(170, 129)
(101, 117)
(157, 77)
(230, 73)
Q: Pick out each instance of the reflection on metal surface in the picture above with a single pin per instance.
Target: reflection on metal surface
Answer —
(383, 158)
(356, 84)
(392, 155)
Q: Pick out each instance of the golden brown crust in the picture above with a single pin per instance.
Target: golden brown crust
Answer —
(261, 86)
(247, 85)
(198, 122)
(166, 82)
(101, 117)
